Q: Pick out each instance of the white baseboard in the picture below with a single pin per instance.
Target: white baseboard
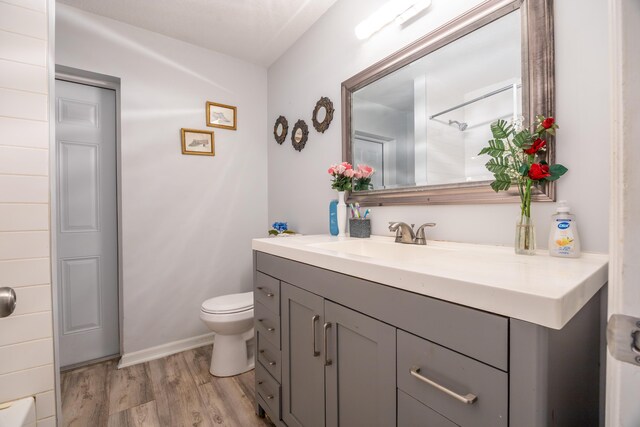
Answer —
(160, 351)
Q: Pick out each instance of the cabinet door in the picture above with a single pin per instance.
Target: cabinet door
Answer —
(361, 379)
(302, 357)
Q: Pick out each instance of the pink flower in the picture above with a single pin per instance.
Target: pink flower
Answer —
(332, 170)
(357, 174)
(349, 173)
(365, 170)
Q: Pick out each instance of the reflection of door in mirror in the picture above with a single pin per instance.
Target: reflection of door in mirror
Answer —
(298, 135)
(279, 129)
(321, 115)
(370, 150)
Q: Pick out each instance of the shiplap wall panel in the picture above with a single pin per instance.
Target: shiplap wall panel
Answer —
(25, 272)
(23, 133)
(24, 217)
(26, 343)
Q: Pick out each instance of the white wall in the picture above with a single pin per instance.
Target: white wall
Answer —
(187, 221)
(26, 346)
(329, 53)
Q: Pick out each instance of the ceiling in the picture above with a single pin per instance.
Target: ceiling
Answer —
(258, 31)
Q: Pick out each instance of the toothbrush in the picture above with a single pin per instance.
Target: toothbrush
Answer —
(358, 210)
(366, 213)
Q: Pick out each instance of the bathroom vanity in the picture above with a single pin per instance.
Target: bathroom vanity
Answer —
(370, 332)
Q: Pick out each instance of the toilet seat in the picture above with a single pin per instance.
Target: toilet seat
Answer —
(229, 304)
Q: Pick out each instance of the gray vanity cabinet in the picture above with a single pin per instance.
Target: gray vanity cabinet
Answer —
(337, 350)
(302, 358)
(338, 364)
(360, 379)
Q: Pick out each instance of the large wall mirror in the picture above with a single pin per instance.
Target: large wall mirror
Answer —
(421, 116)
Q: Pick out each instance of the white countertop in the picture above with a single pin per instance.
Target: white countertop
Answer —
(540, 289)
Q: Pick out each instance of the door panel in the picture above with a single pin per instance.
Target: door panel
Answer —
(361, 385)
(302, 365)
(87, 222)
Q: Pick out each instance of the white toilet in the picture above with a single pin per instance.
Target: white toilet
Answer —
(231, 318)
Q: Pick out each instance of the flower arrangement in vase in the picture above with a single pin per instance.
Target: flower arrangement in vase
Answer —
(515, 159)
(280, 229)
(345, 178)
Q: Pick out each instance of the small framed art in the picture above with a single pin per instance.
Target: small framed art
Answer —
(221, 116)
(197, 142)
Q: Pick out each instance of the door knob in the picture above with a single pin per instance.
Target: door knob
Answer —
(8, 301)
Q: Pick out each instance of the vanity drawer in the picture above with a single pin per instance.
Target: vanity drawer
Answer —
(267, 323)
(412, 413)
(269, 390)
(420, 361)
(269, 357)
(267, 292)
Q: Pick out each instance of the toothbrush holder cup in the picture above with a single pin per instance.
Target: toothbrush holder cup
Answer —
(360, 227)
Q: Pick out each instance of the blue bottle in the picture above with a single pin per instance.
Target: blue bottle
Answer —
(333, 218)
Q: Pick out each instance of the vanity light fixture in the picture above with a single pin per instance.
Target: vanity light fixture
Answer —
(394, 10)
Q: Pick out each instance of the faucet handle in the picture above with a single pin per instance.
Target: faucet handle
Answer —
(420, 237)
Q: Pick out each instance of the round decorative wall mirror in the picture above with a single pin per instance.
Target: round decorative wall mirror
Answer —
(280, 129)
(299, 135)
(322, 114)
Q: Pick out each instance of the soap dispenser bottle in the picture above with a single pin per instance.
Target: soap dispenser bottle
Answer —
(563, 235)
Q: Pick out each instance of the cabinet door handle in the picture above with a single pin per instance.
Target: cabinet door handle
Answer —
(314, 320)
(268, 328)
(267, 293)
(325, 328)
(270, 363)
(468, 399)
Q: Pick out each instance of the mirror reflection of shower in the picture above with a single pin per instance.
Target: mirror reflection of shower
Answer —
(460, 125)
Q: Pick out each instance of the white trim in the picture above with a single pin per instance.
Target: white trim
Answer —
(163, 350)
(53, 228)
(616, 203)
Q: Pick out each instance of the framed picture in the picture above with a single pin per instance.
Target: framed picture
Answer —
(221, 116)
(198, 142)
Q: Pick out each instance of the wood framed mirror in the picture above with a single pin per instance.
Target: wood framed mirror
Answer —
(421, 115)
(280, 129)
(299, 135)
(322, 114)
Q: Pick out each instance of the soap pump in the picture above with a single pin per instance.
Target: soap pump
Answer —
(563, 234)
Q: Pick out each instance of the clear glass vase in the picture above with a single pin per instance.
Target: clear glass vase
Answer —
(525, 243)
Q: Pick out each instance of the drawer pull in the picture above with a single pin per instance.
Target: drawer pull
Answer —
(314, 320)
(270, 397)
(268, 362)
(468, 399)
(268, 328)
(327, 361)
(267, 293)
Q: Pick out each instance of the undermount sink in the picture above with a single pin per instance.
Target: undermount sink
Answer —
(382, 249)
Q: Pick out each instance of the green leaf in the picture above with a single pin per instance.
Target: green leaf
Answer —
(288, 232)
(501, 129)
(524, 169)
(273, 233)
(497, 165)
(502, 182)
(496, 148)
(556, 172)
(523, 139)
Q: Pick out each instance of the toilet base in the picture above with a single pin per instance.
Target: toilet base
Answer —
(231, 355)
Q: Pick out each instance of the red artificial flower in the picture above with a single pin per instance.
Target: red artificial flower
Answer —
(537, 145)
(539, 171)
(548, 122)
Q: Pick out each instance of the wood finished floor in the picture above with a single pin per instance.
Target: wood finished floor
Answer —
(175, 391)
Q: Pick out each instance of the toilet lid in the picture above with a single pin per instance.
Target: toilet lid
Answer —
(232, 303)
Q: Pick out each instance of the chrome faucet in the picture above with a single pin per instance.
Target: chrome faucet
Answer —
(405, 234)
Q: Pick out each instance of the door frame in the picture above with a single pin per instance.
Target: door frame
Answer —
(89, 78)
